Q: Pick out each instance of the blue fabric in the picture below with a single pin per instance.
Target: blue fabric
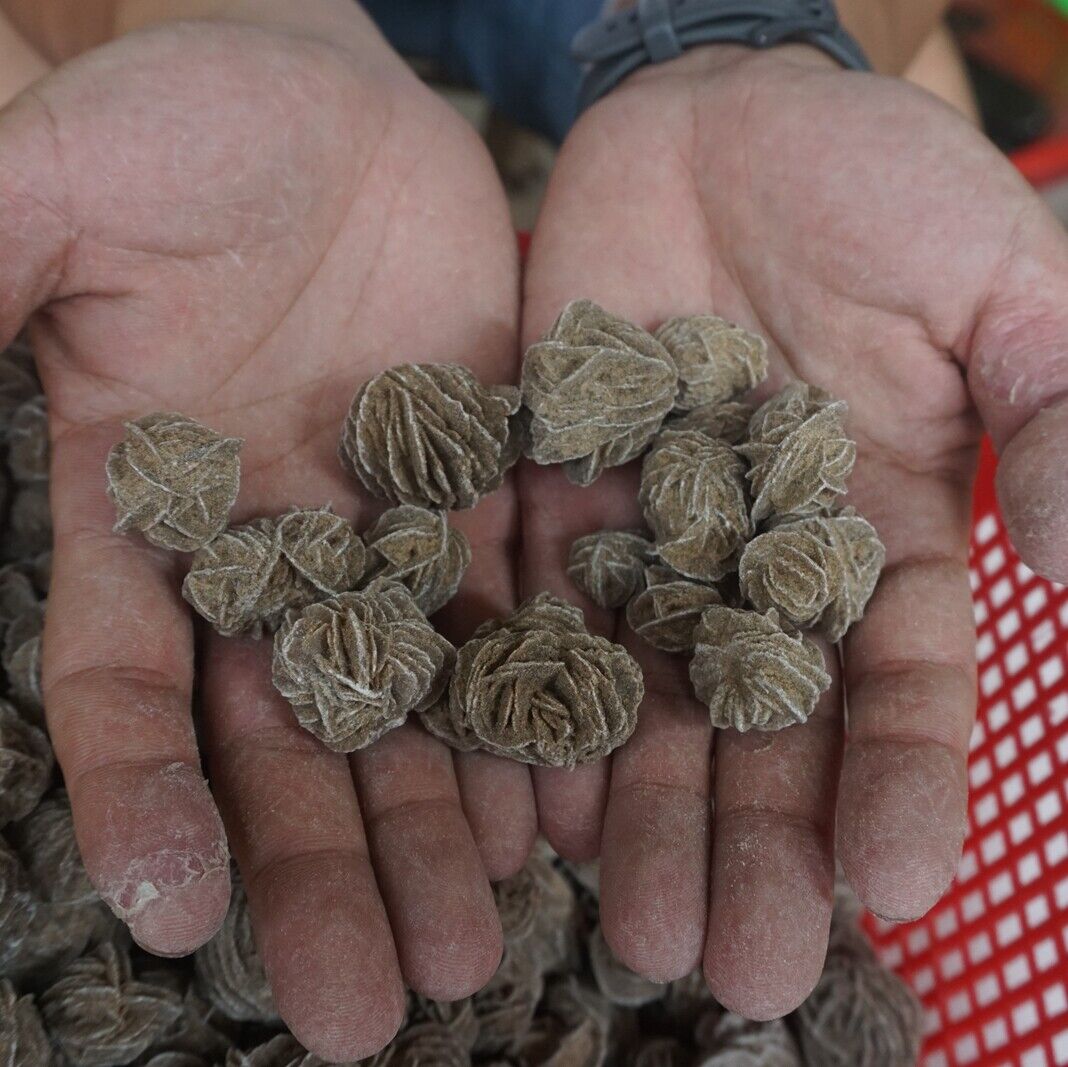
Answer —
(515, 51)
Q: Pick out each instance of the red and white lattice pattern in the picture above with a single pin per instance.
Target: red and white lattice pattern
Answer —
(990, 961)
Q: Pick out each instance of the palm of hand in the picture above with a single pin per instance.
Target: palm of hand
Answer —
(247, 230)
(862, 228)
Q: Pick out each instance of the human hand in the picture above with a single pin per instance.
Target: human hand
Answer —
(242, 224)
(891, 256)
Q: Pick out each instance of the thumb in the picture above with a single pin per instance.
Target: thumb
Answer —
(1018, 376)
(35, 230)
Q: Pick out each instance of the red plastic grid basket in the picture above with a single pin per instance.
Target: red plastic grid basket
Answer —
(990, 961)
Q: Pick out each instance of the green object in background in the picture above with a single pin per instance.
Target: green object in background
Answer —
(1061, 6)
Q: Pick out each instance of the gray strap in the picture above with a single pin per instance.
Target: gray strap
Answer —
(659, 30)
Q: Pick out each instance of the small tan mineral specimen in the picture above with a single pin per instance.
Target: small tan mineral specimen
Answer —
(355, 665)
(418, 548)
(505, 1006)
(616, 981)
(608, 566)
(18, 908)
(99, 1015)
(860, 1014)
(667, 611)
(597, 389)
(249, 576)
(717, 360)
(21, 657)
(229, 972)
(25, 765)
(799, 454)
(737, 1042)
(431, 435)
(752, 674)
(457, 1015)
(45, 841)
(727, 421)
(422, 1045)
(174, 480)
(23, 1042)
(539, 688)
(694, 499)
(27, 442)
(817, 572)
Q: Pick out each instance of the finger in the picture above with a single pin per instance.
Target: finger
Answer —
(1018, 375)
(911, 691)
(118, 675)
(571, 803)
(297, 834)
(440, 904)
(773, 860)
(496, 794)
(655, 847)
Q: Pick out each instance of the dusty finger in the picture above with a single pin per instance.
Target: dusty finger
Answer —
(118, 675)
(655, 847)
(773, 860)
(298, 836)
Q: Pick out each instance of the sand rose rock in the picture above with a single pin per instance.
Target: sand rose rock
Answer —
(727, 421)
(45, 841)
(355, 665)
(608, 566)
(249, 576)
(717, 360)
(737, 1042)
(431, 435)
(174, 480)
(799, 454)
(694, 499)
(18, 908)
(597, 389)
(660, 1052)
(21, 657)
(666, 612)
(23, 1042)
(229, 972)
(457, 1015)
(18, 379)
(818, 572)
(540, 689)
(27, 441)
(29, 522)
(99, 1015)
(25, 765)
(752, 674)
(859, 1015)
(417, 547)
(616, 981)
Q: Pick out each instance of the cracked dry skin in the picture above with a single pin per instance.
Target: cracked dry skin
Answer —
(752, 674)
(229, 972)
(666, 612)
(23, 1042)
(860, 1014)
(818, 572)
(538, 688)
(737, 1042)
(596, 389)
(355, 665)
(431, 435)
(609, 565)
(417, 547)
(248, 577)
(174, 480)
(799, 454)
(25, 764)
(717, 361)
(694, 499)
(99, 1015)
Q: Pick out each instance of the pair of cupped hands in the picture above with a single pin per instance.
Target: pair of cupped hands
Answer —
(243, 223)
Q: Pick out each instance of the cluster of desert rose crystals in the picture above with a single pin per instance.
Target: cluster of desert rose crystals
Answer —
(746, 546)
(76, 992)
